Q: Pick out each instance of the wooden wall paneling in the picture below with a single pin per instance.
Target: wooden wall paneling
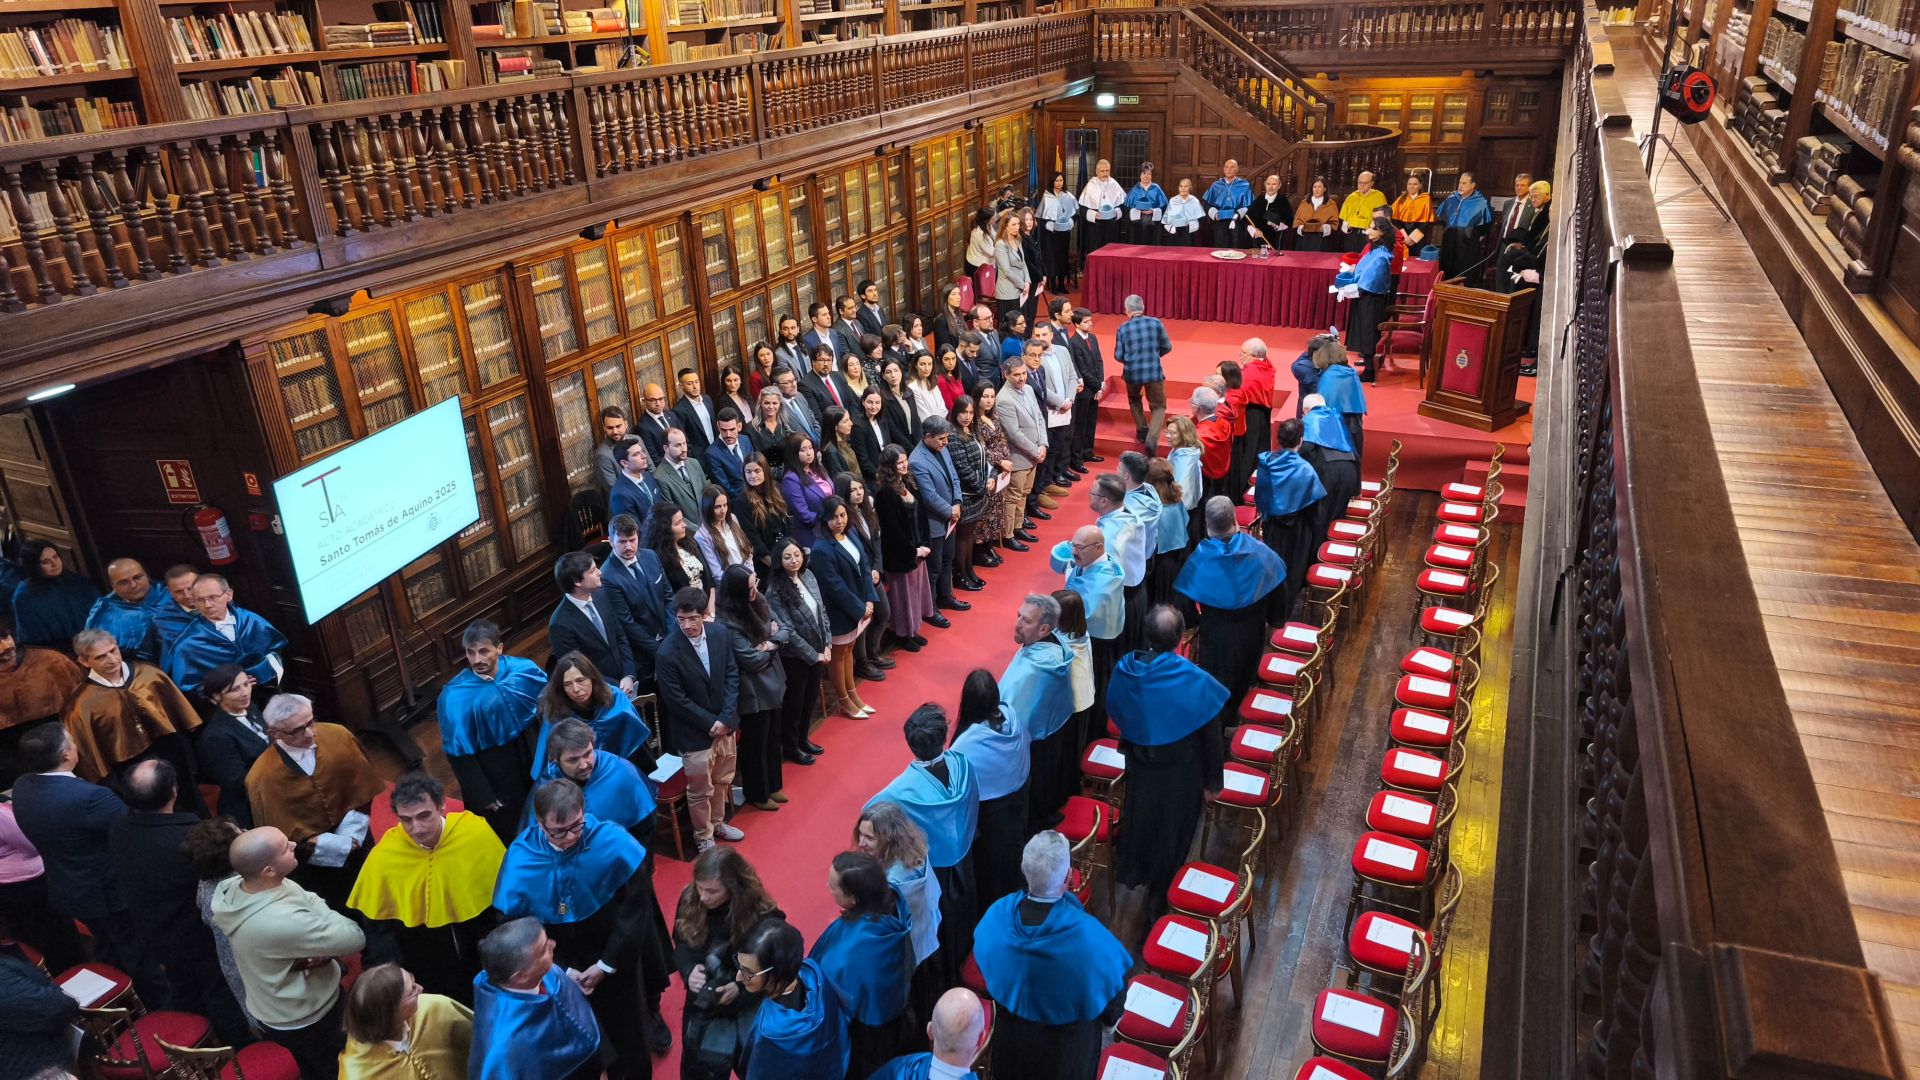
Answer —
(32, 500)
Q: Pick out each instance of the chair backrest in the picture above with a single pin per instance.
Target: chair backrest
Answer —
(106, 1026)
(202, 1062)
(586, 519)
(965, 285)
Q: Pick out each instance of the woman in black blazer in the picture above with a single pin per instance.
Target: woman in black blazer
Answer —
(903, 545)
(901, 417)
(844, 568)
(869, 431)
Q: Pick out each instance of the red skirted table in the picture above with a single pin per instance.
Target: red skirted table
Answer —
(1288, 289)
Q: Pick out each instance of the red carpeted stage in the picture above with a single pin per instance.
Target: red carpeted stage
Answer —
(792, 848)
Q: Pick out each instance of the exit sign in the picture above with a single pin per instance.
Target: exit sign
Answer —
(1127, 99)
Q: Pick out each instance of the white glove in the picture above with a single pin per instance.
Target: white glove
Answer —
(1531, 277)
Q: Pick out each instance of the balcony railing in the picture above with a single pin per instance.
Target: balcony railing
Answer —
(120, 210)
(1712, 935)
(1405, 27)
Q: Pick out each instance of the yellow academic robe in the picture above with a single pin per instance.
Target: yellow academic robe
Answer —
(438, 1040)
(450, 884)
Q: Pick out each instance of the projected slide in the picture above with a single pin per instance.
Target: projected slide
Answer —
(363, 512)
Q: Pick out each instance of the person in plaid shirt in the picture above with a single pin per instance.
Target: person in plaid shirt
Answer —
(1138, 344)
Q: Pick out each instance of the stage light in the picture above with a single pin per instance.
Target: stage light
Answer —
(1105, 101)
(46, 392)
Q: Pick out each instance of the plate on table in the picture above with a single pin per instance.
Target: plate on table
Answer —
(1230, 254)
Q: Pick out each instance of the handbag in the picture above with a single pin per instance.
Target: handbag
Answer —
(712, 1043)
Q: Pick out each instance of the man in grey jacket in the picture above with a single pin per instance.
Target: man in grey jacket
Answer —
(1026, 428)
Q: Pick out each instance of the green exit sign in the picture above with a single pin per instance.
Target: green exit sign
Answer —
(1127, 99)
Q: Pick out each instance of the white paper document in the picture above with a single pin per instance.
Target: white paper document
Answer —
(1427, 722)
(1448, 551)
(1432, 660)
(1281, 665)
(1391, 934)
(1449, 578)
(1337, 573)
(1355, 1015)
(1211, 886)
(86, 987)
(1145, 1001)
(1304, 635)
(1273, 704)
(1345, 551)
(1399, 806)
(1393, 855)
(1420, 684)
(1262, 740)
(1184, 940)
(1458, 508)
(1418, 764)
(1102, 754)
(666, 768)
(1242, 782)
(1119, 1068)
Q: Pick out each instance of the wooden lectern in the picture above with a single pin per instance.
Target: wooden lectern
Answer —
(1472, 356)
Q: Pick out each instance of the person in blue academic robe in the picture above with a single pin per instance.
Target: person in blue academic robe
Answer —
(941, 794)
(224, 633)
(1146, 204)
(1286, 491)
(866, 954)
(1464, 219)
(999, 747)
(1095, 576)
(617, 729)
(1055, 972)
(1340, 389)
(799, 1032)
(529, 1017)
(958, 1032)
(1227, 201)
(1167, 709)
(1037, 687)
(585, 880)
(486, 728)
(130, 610)
(1373, 278)
(1236, 582)
(1327, 444)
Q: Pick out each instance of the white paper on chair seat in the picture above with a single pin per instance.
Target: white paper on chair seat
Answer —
(1394, 855)
(1391, 934)
(1305, 635)
(1345, 551)
(1421, 685)
(86, 987)
(1399, 806)
(1102, 754)
(1321, 1072)
(1337, 573)
(1427, 722)
(665, 769)
(1262, 740)
(1458, 508)
(1184, 940)
(1243, 782)
(1449, 578)
(1119, 1068)
(1419, 764)
(1350, 528)
(1363, 1016)
(1145, 1001)
(1448, 551)
(1450, 617)
(1212, 886)
(1272, 704)
(1432, 661)
(1282, 665)
(1464, 533)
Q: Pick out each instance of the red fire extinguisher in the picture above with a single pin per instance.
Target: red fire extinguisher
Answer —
(215, 536)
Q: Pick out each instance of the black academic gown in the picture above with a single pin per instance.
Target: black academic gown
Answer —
(444, 959)
(1339, 473)
(503, 773)
(1292, 537)
(616, 932)
(1028, 1048)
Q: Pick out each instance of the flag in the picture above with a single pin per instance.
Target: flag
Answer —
(1033, 161)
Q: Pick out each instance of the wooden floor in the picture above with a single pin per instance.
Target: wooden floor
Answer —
(1301, 921)
(1836, 572)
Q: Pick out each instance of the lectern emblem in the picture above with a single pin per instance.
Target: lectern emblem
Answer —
(1461, 361)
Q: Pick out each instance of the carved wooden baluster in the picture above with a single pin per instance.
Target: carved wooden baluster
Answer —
(706, 94)
(400, 165)
(326, 149)
(252, 185)
(667, 108)
(156, 180)
(503, 143)
(127, 192)
(514, 128)
(533, 155)
(98, 213)
(476, 153)
(626, 141)
(434, 126)
(359, 174)
(426, 163)
(453, 127)
(563, 136)
(597, 131)
(740, 94)
(66, 237)
(30, 236)
(551, 114)
(379, 168)
(215, 164)
(280, 189)
(9, 300)
(686, 94)
(193, 200)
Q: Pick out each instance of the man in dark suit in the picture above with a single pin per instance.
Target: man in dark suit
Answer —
(591, 618)
(654, 419)
(819, 333)
(693, 413)
(635, 573)
(233, 736)
(825, 387)
(989, 364)
(939, 484)
(681, 478)
(726, 459)
(788, 351)
(634, 493)
(1093, 375)
(873, 317)
(145, 846)
(699, 684)
(847, 330)
(795, 410)
(69, 821)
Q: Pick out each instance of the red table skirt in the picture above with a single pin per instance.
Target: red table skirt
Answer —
(1289, 289)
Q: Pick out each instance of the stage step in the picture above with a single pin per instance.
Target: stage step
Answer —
(1513, 485)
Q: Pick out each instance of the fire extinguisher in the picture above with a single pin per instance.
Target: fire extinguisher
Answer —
(215, 536)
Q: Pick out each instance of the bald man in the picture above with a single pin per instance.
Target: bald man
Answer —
(655, 421)
(958, 1032)
(286, 942)
(128, 612)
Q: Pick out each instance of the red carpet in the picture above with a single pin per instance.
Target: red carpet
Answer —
(792, 848)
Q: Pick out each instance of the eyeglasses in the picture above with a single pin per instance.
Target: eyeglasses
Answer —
(750, 973)
(564, 831)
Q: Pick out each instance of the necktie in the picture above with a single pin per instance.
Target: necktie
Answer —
(593, 616)
(832, 393)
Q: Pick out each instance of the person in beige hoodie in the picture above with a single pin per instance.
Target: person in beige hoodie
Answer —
(286, 943)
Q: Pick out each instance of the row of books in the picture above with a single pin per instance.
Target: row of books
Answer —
(929, 20)
(234, 34)
(1782, 46)
(21, 122)
(422, 15)
(260, 93)
(1895, 19)
(1865, 87)
(396, 78)
(686, 12)
(510, 65)
(376, 35)
(847, 31)
(64, 46)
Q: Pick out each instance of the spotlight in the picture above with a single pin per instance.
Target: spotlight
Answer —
(335, 306)
(595, 231)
